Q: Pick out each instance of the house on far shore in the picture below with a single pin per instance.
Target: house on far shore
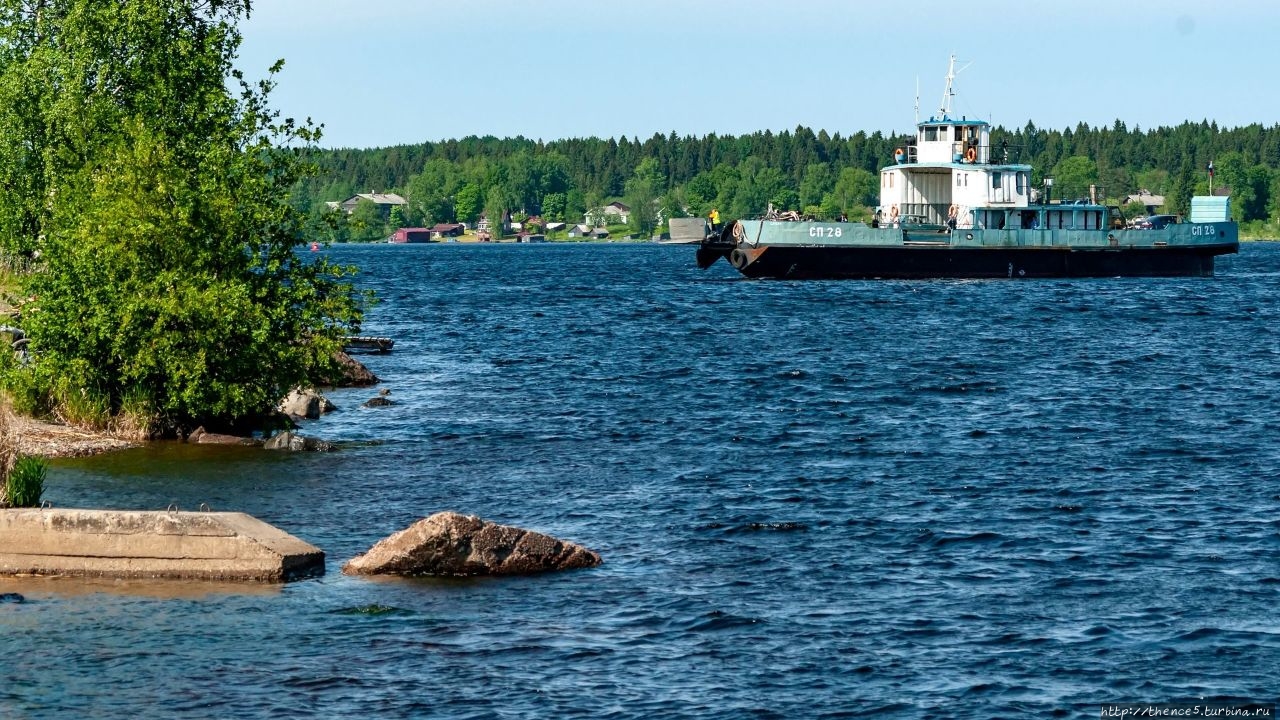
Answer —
(444, 230)
(580, 230)
(384, 201)
(555, 227)
(615, 213)
(1149, 201)
(411, 235)
(600, 233)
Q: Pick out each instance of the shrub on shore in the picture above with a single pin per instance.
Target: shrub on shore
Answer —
(151, 198)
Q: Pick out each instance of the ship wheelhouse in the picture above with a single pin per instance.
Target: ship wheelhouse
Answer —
(951, 163)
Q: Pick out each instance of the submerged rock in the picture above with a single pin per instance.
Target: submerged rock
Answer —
(381, 401)
(298, 443)
(200, 437)
(11, 598)
(450, 543)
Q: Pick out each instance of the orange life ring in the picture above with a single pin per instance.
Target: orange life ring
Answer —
(970, 154)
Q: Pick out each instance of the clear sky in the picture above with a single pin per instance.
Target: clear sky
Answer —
(391, 72)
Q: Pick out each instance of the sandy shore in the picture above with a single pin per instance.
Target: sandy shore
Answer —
(35, 437)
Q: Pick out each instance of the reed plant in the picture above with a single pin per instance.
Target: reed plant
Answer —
(8, 451)
(25, 483)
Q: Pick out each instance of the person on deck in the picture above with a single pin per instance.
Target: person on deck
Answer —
(714, 216)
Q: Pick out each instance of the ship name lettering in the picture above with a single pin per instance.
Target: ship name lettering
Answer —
(816, 231)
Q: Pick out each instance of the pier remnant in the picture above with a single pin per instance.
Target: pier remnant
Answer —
(139, 544)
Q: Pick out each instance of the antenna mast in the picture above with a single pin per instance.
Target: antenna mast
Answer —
(917, 99)
(948, 93)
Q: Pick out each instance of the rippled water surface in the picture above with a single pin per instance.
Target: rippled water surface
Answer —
(819, 499)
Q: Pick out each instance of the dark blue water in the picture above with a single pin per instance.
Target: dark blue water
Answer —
(905, 499)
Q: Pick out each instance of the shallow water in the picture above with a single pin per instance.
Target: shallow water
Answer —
(819, 499)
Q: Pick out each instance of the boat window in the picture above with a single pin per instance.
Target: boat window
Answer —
(957, 179)
(1022, 183)
(930, 133)
(959, 133)
(995, 180)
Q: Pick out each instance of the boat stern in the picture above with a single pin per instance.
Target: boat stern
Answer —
(715, 245)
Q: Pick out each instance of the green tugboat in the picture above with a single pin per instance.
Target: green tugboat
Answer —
(951, 206)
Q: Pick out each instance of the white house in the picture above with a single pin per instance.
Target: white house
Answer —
(613, 213)
(384, 201)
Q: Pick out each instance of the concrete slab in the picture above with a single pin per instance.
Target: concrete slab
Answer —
(140, 544)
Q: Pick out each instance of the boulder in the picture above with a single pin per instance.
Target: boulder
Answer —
(381, 401)
(350, 373)
(449, 543)
(298, 443)
(308, 404)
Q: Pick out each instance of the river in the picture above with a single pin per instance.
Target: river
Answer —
(818, 499)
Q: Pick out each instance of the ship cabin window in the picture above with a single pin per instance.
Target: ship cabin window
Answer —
(959, 133)
(930, 133)
(1022, 183)
(995, 181)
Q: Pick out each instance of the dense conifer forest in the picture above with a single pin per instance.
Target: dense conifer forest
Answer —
(819, 174)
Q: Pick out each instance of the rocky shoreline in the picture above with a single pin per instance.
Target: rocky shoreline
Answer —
(50, 440)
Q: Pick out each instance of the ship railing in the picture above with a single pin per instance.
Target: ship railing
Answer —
(1072, 194)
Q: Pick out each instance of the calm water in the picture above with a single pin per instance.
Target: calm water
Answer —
(905, 499)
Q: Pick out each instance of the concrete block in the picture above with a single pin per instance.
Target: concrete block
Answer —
(139, 544)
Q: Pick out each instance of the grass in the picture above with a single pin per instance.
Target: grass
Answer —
(25, 483)
(23, 476)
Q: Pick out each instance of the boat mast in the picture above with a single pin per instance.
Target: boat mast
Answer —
(948, 93)
(917, 100)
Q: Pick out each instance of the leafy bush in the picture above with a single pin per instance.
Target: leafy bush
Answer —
(156, 199)
(25, 483)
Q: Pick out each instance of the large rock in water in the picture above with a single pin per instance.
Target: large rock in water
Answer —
(450, 543)
(305, 403)
(350, 373)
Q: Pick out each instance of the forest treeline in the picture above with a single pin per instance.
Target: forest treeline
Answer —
(816, 173)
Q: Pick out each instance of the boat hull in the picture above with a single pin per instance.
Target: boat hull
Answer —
(865, 253)
(816, 263)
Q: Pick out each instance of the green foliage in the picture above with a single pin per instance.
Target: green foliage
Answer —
(715, 171)
(25, 483)
(856, 187)
(168, 288)
(468, 203)
(642, 193)
(1072, 177)
(817, 182)
(367, 222)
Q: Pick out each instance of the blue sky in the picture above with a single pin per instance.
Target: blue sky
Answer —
(390, 72)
